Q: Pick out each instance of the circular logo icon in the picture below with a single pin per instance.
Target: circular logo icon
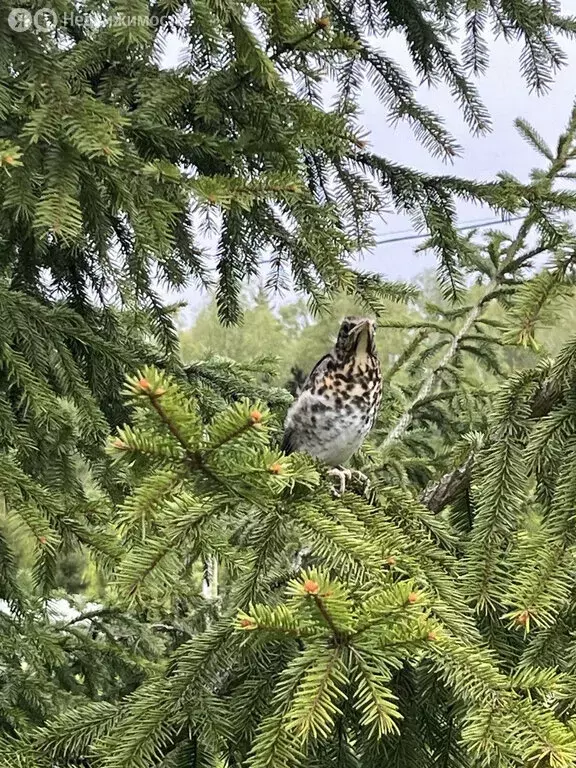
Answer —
(45, 20)
(20, 19)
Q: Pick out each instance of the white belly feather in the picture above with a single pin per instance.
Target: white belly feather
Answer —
(329, 435)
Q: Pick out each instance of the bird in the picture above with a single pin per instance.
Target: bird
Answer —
(338, 402)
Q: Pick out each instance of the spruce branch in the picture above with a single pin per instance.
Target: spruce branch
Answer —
(403, 423)
(473, 315)
(193, 457)
(509, 265)
(254, 419)
(441, 494)
(319, 603)
(100, 613)
(320, 24)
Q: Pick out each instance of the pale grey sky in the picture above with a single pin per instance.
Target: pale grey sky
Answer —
(506, 96)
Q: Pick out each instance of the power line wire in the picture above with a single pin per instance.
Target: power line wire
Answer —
(475, 225)
(415, 236)
(410, 230)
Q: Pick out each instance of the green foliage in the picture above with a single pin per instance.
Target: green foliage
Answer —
(290, 666)
(108, 164)
(442, 362)
(454, 355)
(349, 630)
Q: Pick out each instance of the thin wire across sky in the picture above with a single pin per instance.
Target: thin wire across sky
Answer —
(410, 235)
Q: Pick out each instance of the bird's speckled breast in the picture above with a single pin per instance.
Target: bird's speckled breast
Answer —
(336, 413)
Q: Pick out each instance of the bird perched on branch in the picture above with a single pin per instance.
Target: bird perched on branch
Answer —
(338, 402)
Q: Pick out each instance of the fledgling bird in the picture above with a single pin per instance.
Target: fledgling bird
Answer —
(339, 400)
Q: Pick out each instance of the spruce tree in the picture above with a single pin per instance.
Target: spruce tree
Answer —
(108, 164)
(109, 161)
(408, 627)
(104, 151)
(395, 640)
(416, 626)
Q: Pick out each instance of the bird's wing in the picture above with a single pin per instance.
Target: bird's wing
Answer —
(286, 445)
(289, 431)
(317, 372)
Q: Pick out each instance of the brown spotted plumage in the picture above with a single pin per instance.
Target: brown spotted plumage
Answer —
(338, 403)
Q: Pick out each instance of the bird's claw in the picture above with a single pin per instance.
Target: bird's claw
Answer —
(344, 474)
(362, 480)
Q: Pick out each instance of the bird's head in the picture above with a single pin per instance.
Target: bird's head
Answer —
(356, 338)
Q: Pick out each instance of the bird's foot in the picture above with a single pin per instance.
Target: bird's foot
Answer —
(343, 474)
(301, 557)
(362, 480)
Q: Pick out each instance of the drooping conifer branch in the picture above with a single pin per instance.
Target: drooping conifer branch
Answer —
(509, 266)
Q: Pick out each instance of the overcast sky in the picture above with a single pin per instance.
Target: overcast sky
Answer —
(506, 96)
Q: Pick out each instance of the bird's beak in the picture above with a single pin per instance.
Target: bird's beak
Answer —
(361, 326)
(362, 334)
